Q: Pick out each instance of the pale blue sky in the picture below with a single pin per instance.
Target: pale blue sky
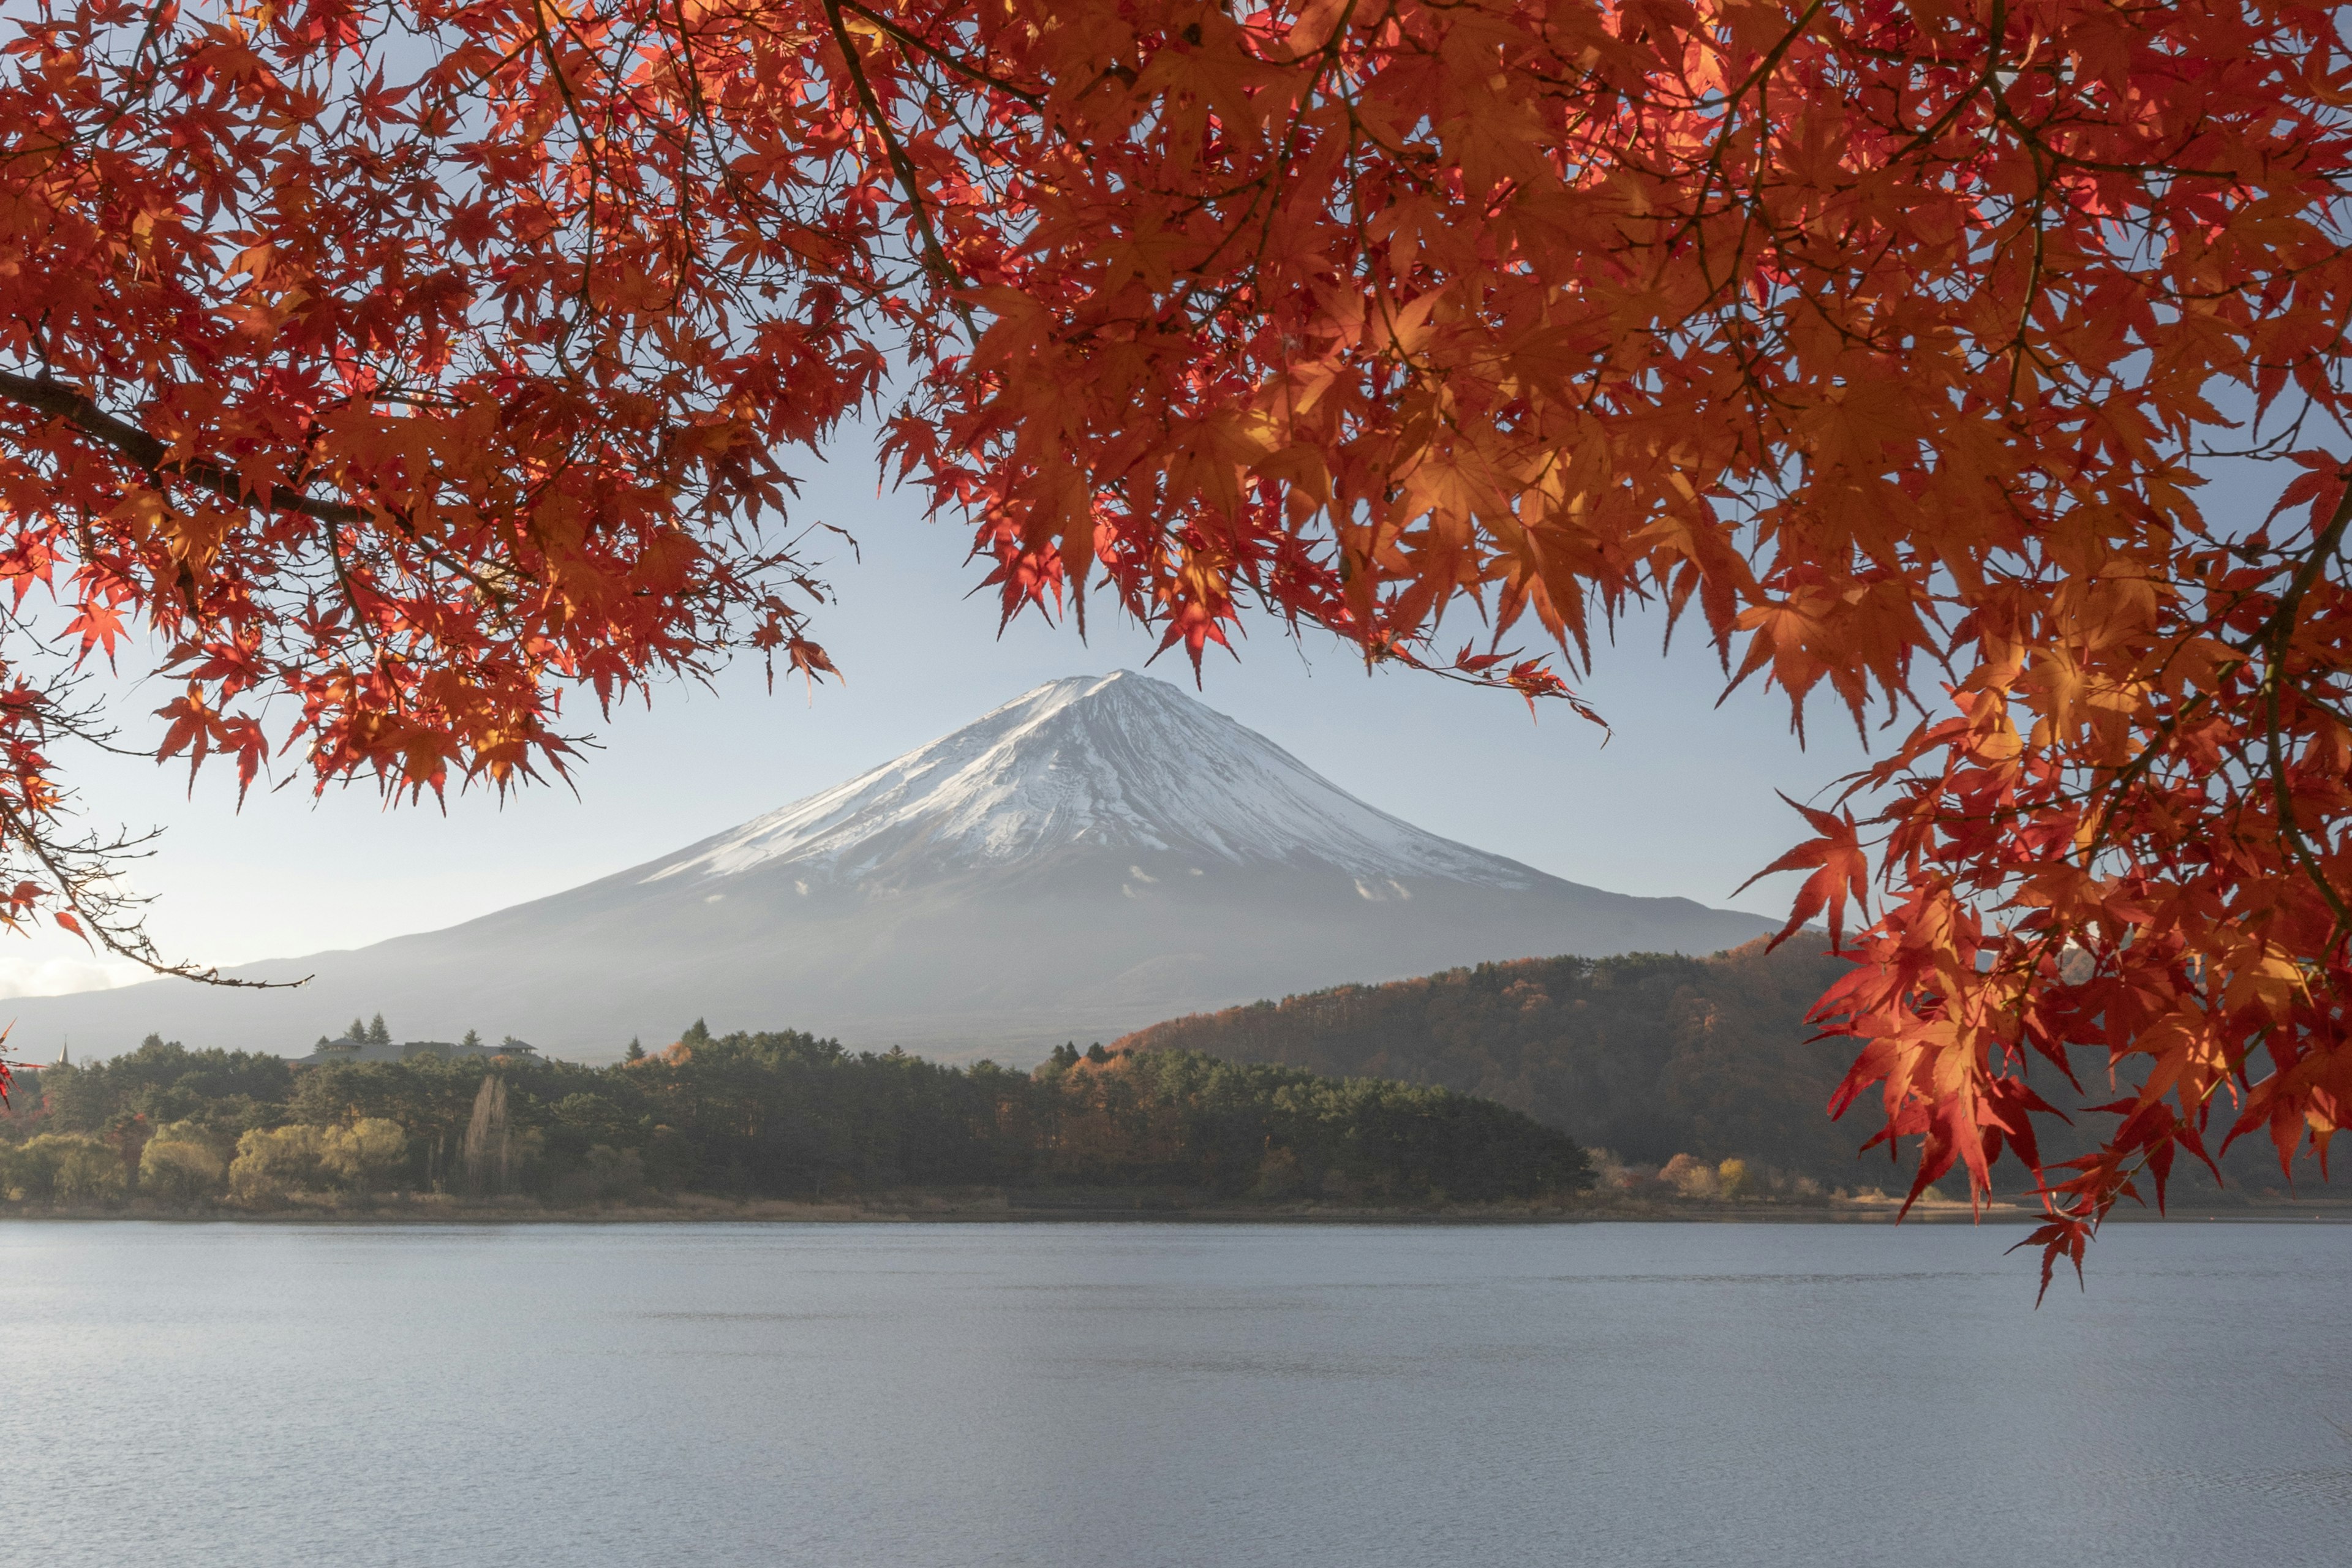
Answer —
(1680, 802)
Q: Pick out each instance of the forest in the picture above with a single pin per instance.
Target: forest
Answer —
(1657, 1060)
(1648, 1055)
(775, 1115)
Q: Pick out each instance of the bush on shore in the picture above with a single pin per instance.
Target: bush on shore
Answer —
(62, 1167)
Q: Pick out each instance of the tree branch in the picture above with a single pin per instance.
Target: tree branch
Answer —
(935, 257)
(77, 410)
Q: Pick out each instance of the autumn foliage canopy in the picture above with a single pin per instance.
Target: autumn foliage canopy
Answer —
(1975, 370)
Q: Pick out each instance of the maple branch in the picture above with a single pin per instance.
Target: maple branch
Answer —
(922, 46)
(935, 256)
(153, 453)
(2081, 1206)
(2020, 344)
(700, 105)
(100, 921)
(2119, 787)
(588, 145)
(154, 456)
(2270, 638)
(2274, 636)
(1326, 63)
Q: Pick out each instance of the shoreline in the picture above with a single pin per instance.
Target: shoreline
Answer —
(999, 1207)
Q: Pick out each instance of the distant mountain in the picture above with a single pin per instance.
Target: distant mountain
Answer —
(1652, 1055)
(1095, 854)
(1648, 1055)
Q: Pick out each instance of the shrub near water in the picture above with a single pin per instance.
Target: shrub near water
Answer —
(278, 1163)
(179, 1170)
(64, 1167)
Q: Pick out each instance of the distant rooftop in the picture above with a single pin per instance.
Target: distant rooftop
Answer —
(347, 1050)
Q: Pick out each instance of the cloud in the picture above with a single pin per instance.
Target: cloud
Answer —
(56, 976)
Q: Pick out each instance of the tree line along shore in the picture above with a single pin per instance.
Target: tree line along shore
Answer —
(778, 1116)
(1647, 1085)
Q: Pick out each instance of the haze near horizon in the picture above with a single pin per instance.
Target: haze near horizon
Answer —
(1094, 856)
(1679, 803)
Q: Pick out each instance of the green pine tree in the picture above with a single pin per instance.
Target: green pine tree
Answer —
(636, 1053)
(377, 1035)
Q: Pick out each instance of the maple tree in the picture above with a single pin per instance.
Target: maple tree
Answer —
(398, 367)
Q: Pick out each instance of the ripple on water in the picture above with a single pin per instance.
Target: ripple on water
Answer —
(1140, 1397)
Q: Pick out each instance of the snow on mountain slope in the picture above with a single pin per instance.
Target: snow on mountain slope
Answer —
(1094, 856)
(1118, 761)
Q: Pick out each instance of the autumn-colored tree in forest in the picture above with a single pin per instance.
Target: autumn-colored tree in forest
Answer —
(398, 368)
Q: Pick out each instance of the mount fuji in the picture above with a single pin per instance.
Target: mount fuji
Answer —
(1096, 854)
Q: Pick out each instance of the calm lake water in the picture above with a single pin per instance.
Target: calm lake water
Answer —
(1133, 1396)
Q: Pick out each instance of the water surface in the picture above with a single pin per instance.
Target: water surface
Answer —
(1152, 1396)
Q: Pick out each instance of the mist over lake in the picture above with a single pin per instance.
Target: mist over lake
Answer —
(1131, 1397)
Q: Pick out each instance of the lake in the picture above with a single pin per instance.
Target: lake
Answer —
(1158, 1396)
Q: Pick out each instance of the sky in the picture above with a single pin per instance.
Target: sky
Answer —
(1680, 800)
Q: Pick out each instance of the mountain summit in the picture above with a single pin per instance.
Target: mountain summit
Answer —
(1095, 854)
(1117, 761)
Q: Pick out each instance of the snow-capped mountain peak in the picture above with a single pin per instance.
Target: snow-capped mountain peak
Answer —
(1093, 855)
(1121, 762)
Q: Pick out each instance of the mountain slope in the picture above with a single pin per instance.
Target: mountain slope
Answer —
(1116, 761)
(1648, 1055)
(1097, 853)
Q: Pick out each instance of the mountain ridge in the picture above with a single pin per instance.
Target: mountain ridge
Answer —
(1096, 854)
(1001, 797)
(1645, 1055)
